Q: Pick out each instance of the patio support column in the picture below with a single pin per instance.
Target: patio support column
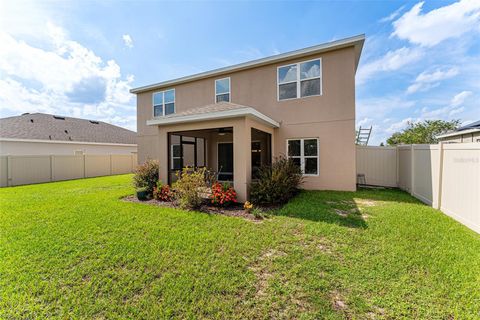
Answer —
(241, 161)
(163, 155)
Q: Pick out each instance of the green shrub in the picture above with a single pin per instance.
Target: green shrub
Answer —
(188, 187)
(277, 183)
(146, 176)
(258, 213)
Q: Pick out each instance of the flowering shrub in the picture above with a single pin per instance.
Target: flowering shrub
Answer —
(223, 195)
(248, 206)
(188, 186)
(163, 192)
(146, 176)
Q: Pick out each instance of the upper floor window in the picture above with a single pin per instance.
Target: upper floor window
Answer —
(163, 103)
(300, 80)
(222, 90)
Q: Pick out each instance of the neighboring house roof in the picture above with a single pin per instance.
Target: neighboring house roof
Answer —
(221, 110)
(356, 41)
(42, 126)
(469, 128)
(473, 125)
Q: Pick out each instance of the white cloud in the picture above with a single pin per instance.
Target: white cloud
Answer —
(427, 80)
(127, 40)
(393, 15)
(460, 98)
(67, 78)
(440, 24)
(391, 61)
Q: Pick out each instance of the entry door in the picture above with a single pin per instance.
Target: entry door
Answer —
(225, 161)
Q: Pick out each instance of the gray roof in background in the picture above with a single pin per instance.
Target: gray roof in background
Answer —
(473, 125)
(42, 126)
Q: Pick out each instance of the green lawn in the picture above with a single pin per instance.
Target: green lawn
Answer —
(74, 250)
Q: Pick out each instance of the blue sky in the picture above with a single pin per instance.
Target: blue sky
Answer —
(421, 60)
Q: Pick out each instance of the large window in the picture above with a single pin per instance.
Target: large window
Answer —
(163, 103)
(300, 80)
(222, 90)
(304, 152)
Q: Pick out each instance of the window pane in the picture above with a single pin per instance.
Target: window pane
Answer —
(293, 148)
(222, 86)
(311, 165)
(287, 74)
(287, 91)
(296, 161)
(176, 150)
(176, 164)
(169, 108)
(157, 98)
(310, 69)
(310, 87)
(169, 96)
(158, 111)
(310, 147)
(223, 97)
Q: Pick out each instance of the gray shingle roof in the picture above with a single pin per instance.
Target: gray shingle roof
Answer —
(215, 107)
(41, 126)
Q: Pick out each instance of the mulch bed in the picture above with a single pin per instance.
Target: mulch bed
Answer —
(235, 210)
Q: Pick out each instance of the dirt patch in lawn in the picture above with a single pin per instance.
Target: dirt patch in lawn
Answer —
(235, 210)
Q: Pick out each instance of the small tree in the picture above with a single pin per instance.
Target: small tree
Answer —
(189, 186)
(422, 132)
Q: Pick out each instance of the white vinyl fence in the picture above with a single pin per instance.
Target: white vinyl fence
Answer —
(445, 176)
(19, 170)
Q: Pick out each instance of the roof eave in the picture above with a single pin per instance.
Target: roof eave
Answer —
(356, 41)
(457, 133)
(218, 115)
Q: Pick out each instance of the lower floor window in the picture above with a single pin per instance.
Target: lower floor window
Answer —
(304, 153)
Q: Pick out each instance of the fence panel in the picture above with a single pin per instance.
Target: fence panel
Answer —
(461, 183)
(121, 164)
(3, 171)
(67, 167)
(378, 164)
(29, 169)
(97, 165)
(404, 168)
(425, 172)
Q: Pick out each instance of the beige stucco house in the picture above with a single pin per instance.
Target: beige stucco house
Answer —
(235, 119)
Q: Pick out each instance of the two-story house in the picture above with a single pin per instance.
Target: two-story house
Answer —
(300, 104)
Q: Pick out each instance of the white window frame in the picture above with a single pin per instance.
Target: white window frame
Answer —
(163, 102)
(302, 156)
(229, 90)
(298, 81)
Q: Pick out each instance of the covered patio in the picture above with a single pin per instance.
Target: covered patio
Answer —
(232, 141)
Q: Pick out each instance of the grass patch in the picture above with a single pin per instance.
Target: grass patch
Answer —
(73, 250)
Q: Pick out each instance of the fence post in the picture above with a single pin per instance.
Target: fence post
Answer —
(9, 171)
(52, 160)
(84, 166)
(397, 174)
(412, 169)
(440, 175)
